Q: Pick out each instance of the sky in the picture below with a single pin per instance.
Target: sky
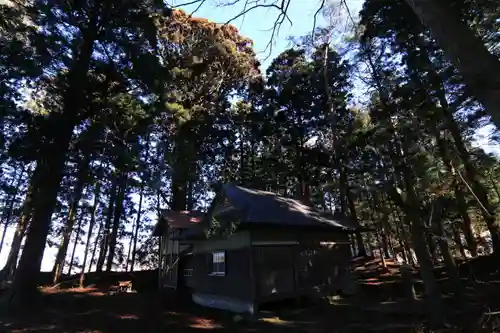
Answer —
(257, 25)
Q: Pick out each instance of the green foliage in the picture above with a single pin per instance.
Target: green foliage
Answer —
(138, 100)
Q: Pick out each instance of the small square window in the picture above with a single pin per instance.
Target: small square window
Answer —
(188, 272)
(218, 263)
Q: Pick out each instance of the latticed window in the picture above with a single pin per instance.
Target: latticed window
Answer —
(218, 263)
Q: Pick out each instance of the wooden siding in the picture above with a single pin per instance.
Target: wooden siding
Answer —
(262, 234)
(235, 284)
(238, 240)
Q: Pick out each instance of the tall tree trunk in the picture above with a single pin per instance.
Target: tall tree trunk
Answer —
(137, 225)
(460, 249)
(97, 192)
(359, 239)
(349, 209)
(96, 243)
(107, 226)
(11, 201)
(405, 239)
(411, 207)
(432, 247)
(77, 236)
(467, 222)
(22, 225)
(449, 261)
(183, 167)
(68, 229)
(49, 172)
(116, 219)
(459, 195)
(385, 243)
(477, 189)
(480, 68)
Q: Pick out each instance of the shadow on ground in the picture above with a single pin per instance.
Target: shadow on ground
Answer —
(379, 307)
(94, 310)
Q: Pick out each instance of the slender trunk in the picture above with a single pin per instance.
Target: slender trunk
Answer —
(385, 243)
(481, 194)
(471, 180)
(181, 172)
(107, 227)
(449, 261)
(432, 247)
(136, 231)
(479, 67)
(94, 250)
(116, 219)
(8, 214)
(460, 249)
(459, 195)
(411, 207)
(467, 222)
(49, 172)
(419, 242)
(89, 233)
(405, 240)
(77, 237)
(68, 229)
(359, 238)
(22, 225)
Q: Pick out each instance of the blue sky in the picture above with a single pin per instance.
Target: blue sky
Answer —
(256, 25)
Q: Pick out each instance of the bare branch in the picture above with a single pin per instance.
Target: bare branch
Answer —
(188, 3)
(198, 7)
(322, 5)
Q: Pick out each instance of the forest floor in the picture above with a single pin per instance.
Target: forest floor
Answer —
(378, 308)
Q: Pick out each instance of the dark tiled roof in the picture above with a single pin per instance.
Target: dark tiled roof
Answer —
(179, 220)
(266, 207)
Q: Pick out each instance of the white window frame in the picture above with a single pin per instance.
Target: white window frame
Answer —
(218, 263)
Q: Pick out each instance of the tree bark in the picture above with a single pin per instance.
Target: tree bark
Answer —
(8, 215)
(50, 167)
(467, 222)
(107, 227)
(89, 233)
(460, 251)
(459, 195)
(183, 167)
(359, 238)
(477, 189)
(136, 231)
(116, 219)
(68, 229)
(411, 206)
(9, 269)
(480, 68)
(449, 261)
(94, 250)
(77, 236)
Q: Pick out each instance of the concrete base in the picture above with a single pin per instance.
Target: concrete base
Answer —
(224, 303)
